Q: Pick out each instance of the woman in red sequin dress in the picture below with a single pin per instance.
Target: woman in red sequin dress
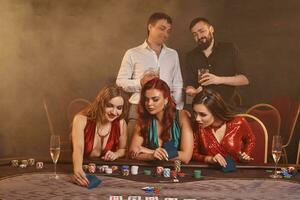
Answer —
(218, 133)
(100, 130)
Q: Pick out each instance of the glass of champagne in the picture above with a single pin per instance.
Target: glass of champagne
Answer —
(276, 153)
(54, 152)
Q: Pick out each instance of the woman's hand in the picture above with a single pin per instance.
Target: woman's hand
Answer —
(80, 178)
(243, 157)
(110, 156)
(218, 158)
(160, 154)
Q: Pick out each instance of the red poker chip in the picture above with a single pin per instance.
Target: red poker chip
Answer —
(181, 174)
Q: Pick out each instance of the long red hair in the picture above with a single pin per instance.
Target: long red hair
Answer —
(169, 110)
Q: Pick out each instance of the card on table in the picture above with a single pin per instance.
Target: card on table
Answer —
(230, 167)
(134, 198)
(94, 181)
(172, 151)
(115, 198)
(151, 198)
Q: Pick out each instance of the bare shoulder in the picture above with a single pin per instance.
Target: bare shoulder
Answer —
(184, 116)
(79, 119)
(123, 123)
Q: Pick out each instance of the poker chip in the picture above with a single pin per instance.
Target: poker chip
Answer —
(159, 170)
(85, 167)
(25, 162)
(147, 172)
(14, 163)
(31, 162)
(92, 168)
(114, 168)
(22, 165)
(197, 173)
(177, 165)
(134, 170)
(173, 174)
(181, 174)
(39, 165)
(167, 172)
(125, 172)
(108, 170)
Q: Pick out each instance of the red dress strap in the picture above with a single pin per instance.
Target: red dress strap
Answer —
(89, 136)
(113, 140)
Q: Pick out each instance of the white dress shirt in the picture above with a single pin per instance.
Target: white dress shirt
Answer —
(141, 59)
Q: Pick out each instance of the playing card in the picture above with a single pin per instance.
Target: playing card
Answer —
(171, 149)
(94, 181)
(230, 167)
(115, 198)
(134, 198)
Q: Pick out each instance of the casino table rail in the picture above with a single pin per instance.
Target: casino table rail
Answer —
(209, 172)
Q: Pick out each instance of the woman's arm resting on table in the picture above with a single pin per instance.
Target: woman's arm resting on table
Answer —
(79, 123)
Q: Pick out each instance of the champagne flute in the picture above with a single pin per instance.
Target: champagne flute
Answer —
(276, 153)
(54, 152)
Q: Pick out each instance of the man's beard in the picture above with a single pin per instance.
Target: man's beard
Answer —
(206, 44)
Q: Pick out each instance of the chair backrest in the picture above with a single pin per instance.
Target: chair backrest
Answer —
(75, 106)
(298, 155)
(270, 117)
(261, 138)
(289, 112)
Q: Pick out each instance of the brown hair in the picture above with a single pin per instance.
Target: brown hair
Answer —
(199, 19)
(158, 16)
(169, 110)
(96, 111)
(214, 103)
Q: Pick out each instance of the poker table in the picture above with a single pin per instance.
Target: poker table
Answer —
(247, 182)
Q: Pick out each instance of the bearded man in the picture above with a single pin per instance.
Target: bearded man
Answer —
(220, 59)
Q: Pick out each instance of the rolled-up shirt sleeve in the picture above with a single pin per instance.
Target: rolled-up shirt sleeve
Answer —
(177, 84)
(125, 74)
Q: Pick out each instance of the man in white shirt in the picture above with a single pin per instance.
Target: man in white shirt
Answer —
(151, 59)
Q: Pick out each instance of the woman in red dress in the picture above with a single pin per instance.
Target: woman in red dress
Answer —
(218, 133)
(100, 130)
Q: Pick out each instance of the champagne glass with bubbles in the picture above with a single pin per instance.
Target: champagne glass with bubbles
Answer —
(54, 152)
(276, 153)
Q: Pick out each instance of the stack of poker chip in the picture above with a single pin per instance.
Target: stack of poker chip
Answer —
(173, 174)
(15, 163)
(167, 172)
(197, 173)
(177, 165)
(147, 172)
(108, 170)
(24, 164)
(39, 165)
(125, 170)
(134, 170)
(85, 168)
(92, 168)
(31, 162)
(159, 170)
(114, 168)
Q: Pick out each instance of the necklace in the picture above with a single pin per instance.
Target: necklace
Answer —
(104, 130)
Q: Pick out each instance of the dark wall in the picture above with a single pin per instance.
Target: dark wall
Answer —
(60, 50)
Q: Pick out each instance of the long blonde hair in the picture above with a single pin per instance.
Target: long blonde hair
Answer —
(96, 111)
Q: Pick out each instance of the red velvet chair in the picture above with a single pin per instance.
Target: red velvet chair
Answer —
(298, 155)
(75, 107)
(260, 152)
(289, 112)
(270, 117)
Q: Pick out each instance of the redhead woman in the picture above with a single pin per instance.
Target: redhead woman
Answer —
(160, 126)
(100, 130)
(218, 132)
